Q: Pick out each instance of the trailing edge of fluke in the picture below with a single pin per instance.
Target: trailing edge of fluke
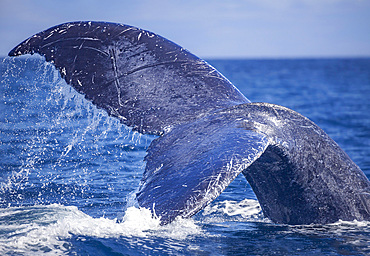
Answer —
(208, 131)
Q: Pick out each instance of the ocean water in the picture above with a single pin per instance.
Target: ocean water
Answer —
(68, 172)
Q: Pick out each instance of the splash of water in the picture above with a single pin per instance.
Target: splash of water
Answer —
(57, 136)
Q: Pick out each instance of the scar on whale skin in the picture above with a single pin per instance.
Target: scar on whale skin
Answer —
(208, 131)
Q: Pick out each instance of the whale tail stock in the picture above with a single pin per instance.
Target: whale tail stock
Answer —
(208, 131)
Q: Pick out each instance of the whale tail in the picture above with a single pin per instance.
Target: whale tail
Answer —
(208, 131)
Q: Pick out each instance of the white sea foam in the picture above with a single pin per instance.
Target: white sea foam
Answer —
(247, 209)
(31, 230)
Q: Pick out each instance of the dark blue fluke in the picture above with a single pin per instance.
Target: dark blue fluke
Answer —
(146, 81)
(209, 132)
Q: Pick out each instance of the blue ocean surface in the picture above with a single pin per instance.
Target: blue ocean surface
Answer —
(69, 172)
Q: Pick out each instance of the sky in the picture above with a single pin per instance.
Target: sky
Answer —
(211, 28)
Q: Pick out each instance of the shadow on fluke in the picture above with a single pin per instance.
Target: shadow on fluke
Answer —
(208, 131)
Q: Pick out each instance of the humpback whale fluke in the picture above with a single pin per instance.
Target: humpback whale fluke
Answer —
(208, 131)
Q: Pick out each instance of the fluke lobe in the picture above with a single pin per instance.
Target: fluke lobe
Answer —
(208, 131)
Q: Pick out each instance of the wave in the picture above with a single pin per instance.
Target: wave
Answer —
(49, 229)
(46, 228)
